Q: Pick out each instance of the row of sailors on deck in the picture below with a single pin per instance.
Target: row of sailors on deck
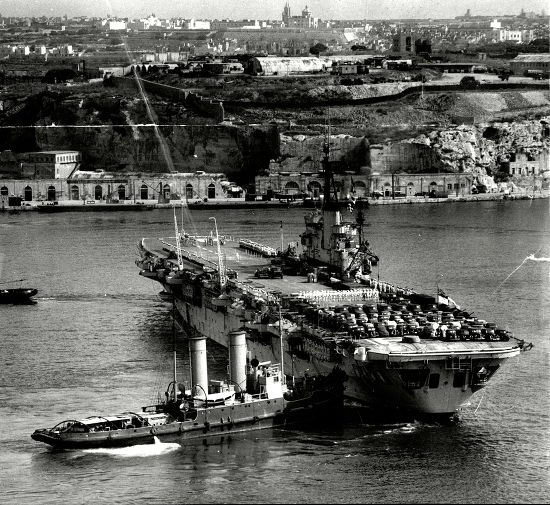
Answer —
(340, 295)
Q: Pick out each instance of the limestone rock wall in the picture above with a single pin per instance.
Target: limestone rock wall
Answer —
(239, 152)
(481, 149)
(300, 153)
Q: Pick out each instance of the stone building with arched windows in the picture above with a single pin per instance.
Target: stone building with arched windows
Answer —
(146, 188)
(362, 185)
(110, 187)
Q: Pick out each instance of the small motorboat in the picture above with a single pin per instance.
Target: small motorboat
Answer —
(18, 296)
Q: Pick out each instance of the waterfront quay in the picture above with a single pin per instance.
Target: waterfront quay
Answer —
(241, 203)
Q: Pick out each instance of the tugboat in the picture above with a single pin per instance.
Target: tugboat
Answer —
(404, 351)
(255, 397)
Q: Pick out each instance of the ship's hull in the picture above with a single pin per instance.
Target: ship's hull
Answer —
(371, 383)
(423, 378)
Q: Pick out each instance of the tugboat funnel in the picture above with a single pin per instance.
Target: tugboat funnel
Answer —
(198, 363)
(237, 359)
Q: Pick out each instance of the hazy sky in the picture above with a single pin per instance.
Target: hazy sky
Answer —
(268, 9)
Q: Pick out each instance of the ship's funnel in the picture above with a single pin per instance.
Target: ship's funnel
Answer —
(237, 358)
(198, 364)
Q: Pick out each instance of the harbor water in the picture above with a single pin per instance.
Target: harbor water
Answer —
(99, 341)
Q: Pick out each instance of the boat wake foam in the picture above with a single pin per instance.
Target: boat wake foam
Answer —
(532, 258)
(137, 451)
(399, 428)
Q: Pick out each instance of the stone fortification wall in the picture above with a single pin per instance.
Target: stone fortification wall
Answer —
(339, 94)
(402, 157)
(300, 153)
(204, 107)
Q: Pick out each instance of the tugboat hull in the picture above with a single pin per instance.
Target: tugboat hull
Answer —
(204, 424)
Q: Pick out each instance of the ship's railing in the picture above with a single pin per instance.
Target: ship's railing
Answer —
(205, 240)
(330, 297)
(262, 249)
(254, 291)
(189, 255)
(385, 287)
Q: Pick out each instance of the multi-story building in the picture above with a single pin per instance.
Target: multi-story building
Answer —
(55, 176)
(49, 164)
(114, 25)
(197, 24)
(519, 36)
(524, 164)
(405, 43)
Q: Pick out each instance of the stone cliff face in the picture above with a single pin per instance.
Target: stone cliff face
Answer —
(480, 149)
(119, 134)
(237, 152)
(300, 153)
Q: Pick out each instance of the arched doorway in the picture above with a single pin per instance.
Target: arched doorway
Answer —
(387, 189)
(51, 194)
(122, 192)
(360, 189)
(188, 191)
(410, 189)
(144, 192)
(292, 188)
(4, 191)
(211, 190)
(166, 192)
(314, 189)
(75, 193)
(433, 189)
(27, 195)
(98, 192)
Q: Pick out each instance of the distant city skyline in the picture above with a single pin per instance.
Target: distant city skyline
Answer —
(268, 9)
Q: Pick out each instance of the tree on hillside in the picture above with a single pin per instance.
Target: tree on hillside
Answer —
(318, 49)
(57, 75)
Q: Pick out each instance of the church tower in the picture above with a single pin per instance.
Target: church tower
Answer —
(286, 14)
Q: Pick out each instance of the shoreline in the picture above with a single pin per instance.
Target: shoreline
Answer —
(240, 203)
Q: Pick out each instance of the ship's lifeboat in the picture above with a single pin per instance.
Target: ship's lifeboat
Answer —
(150, 274)
(174, 278)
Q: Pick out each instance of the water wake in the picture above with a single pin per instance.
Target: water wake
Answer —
(401, 428)
(137, 451)
(532, 258)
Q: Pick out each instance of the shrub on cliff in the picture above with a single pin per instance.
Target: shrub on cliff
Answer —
(58, 75)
